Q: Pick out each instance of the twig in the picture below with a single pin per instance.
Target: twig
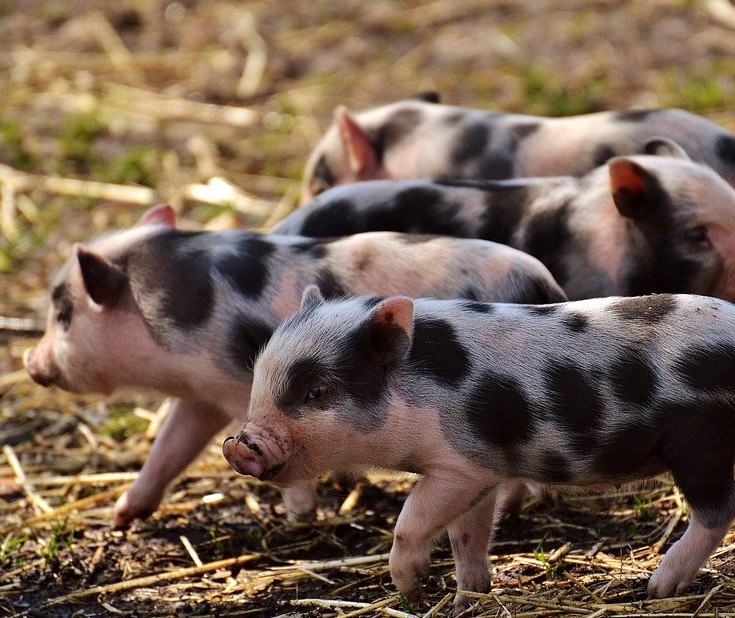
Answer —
(20, 476)
(27, 326)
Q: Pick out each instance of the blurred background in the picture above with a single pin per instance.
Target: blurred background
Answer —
(110, 107)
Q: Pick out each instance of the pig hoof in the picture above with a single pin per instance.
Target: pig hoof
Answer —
(124, 513)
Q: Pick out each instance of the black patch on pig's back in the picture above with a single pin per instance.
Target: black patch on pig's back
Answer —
(575, 401)
(246, 268)
(323, 173)
(576, 322)
(547, 238)
(634, 115)
(172, 269)
(329, 285)
(602, 154)
(246, 336)
(632, 377)
(708, 368)
(725, 148)
(327, 218)
(651, 309)
(498, 411)
(394, 129)
(437, 353)
(470, 143)
(505, 205)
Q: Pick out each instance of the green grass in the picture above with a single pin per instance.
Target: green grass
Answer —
(540, 555)
(9, 547)
(123, 424)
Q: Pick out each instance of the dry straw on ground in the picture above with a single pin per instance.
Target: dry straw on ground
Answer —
(213, 107)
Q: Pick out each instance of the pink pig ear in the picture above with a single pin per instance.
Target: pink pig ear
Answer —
(361, 155)
(635, 190)
(162, 214)
(103, 281)
(391, 329)
(311, 298)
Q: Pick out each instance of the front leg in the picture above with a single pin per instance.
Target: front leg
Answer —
(188, 428)
(470, 535)
(435, 502)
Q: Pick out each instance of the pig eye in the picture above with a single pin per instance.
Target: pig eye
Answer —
(316, 392)
(697, 235)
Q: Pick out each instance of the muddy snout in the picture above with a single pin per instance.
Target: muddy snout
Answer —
(244, 456)
(42, 371)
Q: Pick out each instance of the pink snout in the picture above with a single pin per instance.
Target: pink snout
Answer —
(244, 456)
(42, 370)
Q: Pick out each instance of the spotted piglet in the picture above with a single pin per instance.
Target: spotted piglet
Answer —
(636, 225)
(468, 394)
(184, 313)
(422, 139)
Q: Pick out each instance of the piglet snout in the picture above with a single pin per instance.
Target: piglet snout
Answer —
(243, 456)
(45, 374)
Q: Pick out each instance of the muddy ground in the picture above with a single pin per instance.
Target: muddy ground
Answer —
(213, 107)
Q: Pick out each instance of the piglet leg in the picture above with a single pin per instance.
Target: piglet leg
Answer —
(188, 428)
(682, 562)
(469, 536)
(432, 506)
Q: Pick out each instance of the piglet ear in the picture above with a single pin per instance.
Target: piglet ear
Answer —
(391, 329)
(162, 214)
(635, 190)
(311, 298)
(664, 147)
(103, 281)
(361, 155)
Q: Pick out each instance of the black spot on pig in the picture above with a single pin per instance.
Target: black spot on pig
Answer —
(63, 304)
(576, 322)
(506, 203)
(602, 155)
(548, 238)
(697, 446)
(575, 401)
(170, 276)
(395, 129)
(632, 377)
(554, 468)
(245, 338)
(317, 249)
(469, 293)
(635, 115)
(454, 117)
(327, 218)
(725, 148)
(542, 310)
(246, 269)
(708, 368)
(499, 412)
(329, 285)
(437, 352)
(430, 96)
(476, 307)
(628, 451)
(470, 143)
(523, 130)
(417, 210)
(651, 309)
(531, 289)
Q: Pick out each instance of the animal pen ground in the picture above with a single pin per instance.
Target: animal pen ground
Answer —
(213, 107)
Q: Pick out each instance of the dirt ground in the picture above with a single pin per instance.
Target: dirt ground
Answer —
(107, 108)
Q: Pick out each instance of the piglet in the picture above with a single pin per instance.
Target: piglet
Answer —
(636, 225)
(471, 395)
(422, 139)
(185, 313)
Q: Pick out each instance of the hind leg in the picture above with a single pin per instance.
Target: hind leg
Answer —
(712, 503)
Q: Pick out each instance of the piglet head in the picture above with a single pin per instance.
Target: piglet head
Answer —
(324, 376)
(684, 214)
(92, 326)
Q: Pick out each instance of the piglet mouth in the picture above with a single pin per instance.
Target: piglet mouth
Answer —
(45, 376)
(244, 456)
